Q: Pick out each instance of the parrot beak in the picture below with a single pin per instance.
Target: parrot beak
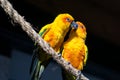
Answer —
(74, 25)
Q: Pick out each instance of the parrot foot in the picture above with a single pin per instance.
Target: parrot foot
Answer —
(68, 63)
(59, 55)
(49, 44)
(79, 76)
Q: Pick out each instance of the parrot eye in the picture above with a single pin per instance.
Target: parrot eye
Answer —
(68, 19)
(82, 27)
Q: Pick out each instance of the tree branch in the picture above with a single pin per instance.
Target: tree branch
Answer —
(26, 26)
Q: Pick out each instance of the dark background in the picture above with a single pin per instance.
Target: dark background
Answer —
(101, 19)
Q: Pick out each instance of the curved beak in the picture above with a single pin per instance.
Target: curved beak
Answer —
(74, 25)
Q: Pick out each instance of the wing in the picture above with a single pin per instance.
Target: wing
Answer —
(37, 67)
(86, 54)
(44, 30)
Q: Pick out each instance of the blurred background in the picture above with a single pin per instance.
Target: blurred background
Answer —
(101, 19)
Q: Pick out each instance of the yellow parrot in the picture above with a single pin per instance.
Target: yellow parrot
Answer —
(54, 34)
(74, 50)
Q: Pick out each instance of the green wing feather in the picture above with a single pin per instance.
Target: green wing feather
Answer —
(86, 55)
(44, 30)
(38, 61)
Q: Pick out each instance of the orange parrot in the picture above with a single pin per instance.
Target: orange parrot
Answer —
(53, 34)
(74, 50)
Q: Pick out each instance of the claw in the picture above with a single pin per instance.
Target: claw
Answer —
(79, 72)
(68, 63)
(59, 55)
(49, 44)
(79, 75)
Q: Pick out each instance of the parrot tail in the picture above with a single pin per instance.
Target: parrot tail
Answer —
(37, 66)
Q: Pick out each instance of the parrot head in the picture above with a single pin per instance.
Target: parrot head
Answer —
(80, 31)
(66, 21)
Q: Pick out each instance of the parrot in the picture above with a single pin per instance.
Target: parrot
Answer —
(53, 34)
(75, 50)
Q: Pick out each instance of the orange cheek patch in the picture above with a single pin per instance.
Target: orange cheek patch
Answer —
(64, 20)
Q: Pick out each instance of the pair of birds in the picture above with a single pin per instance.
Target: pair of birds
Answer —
(73, 48)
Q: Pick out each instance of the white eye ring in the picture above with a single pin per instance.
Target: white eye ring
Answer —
(82, 27)
(67, 19)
